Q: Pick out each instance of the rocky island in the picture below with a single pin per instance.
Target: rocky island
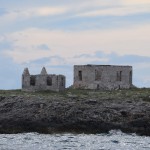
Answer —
(75, 110)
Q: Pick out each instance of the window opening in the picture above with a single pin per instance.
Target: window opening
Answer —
(130, 77)
(119, 76)
(62, 81)
(49, 81)
(120, 79)
(80, 75)
(97, 75)
(32, 80)
(97, 86)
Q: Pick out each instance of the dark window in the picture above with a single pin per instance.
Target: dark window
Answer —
(32, 80)
(119, 76)
(62, 81)
(80, 75)
(130, 77)
(120, 79)
(97, 75)
(97, 86)
(49, 81)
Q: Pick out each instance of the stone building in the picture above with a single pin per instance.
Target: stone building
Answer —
(42, 81)
(103, 77)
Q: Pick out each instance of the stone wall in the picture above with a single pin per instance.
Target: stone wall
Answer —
(42, 81)
(106, 77)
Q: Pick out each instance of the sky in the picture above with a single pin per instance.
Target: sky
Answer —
(63, 33)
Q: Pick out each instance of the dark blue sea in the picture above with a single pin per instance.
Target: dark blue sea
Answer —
(115, 140)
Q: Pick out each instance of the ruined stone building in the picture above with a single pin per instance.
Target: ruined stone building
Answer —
(42, 81)
(106, 77)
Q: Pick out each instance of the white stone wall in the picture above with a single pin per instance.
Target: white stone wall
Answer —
(107, 79)
(58, 83)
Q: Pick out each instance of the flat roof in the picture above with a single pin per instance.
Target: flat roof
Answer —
(90, 65)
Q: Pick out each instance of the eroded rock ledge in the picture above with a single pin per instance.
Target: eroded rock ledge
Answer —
(75, 111)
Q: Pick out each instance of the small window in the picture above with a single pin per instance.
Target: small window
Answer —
(119, 76)
(32, 80)
(120, 79)
(97, 75)
(97, 86)
(57, 81)
(130, 77)
(62, 81)
(80, 75)
(49, 81)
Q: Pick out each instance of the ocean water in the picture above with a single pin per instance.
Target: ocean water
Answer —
(115, 140)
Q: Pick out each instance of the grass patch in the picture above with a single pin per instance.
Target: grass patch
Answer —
(142, 93)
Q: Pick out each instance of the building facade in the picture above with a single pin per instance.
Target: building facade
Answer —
(42, 81)
(102, 77)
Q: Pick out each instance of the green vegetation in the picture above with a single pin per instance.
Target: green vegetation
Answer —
(136, 93)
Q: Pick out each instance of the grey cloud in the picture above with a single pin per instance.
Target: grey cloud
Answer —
(43, 47)
(125, 59)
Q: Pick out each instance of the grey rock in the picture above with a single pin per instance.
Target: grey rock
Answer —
(55, 114)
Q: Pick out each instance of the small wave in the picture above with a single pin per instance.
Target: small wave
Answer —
(114, 140)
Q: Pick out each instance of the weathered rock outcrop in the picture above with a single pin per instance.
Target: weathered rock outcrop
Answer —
(73, 114)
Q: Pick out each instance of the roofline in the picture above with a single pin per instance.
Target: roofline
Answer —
(47, 75)
(92, 65)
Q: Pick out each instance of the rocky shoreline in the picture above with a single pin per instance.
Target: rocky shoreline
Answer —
(75, 111)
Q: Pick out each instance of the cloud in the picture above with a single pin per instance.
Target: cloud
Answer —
(117, 11)
(72, 15)
(43, 47)
(31, 12)
(86, 8)
(129, 59)
(46, 11)
(114, 8)
(135, 2)
(123, 41)
(53, 60)
(67, 9)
